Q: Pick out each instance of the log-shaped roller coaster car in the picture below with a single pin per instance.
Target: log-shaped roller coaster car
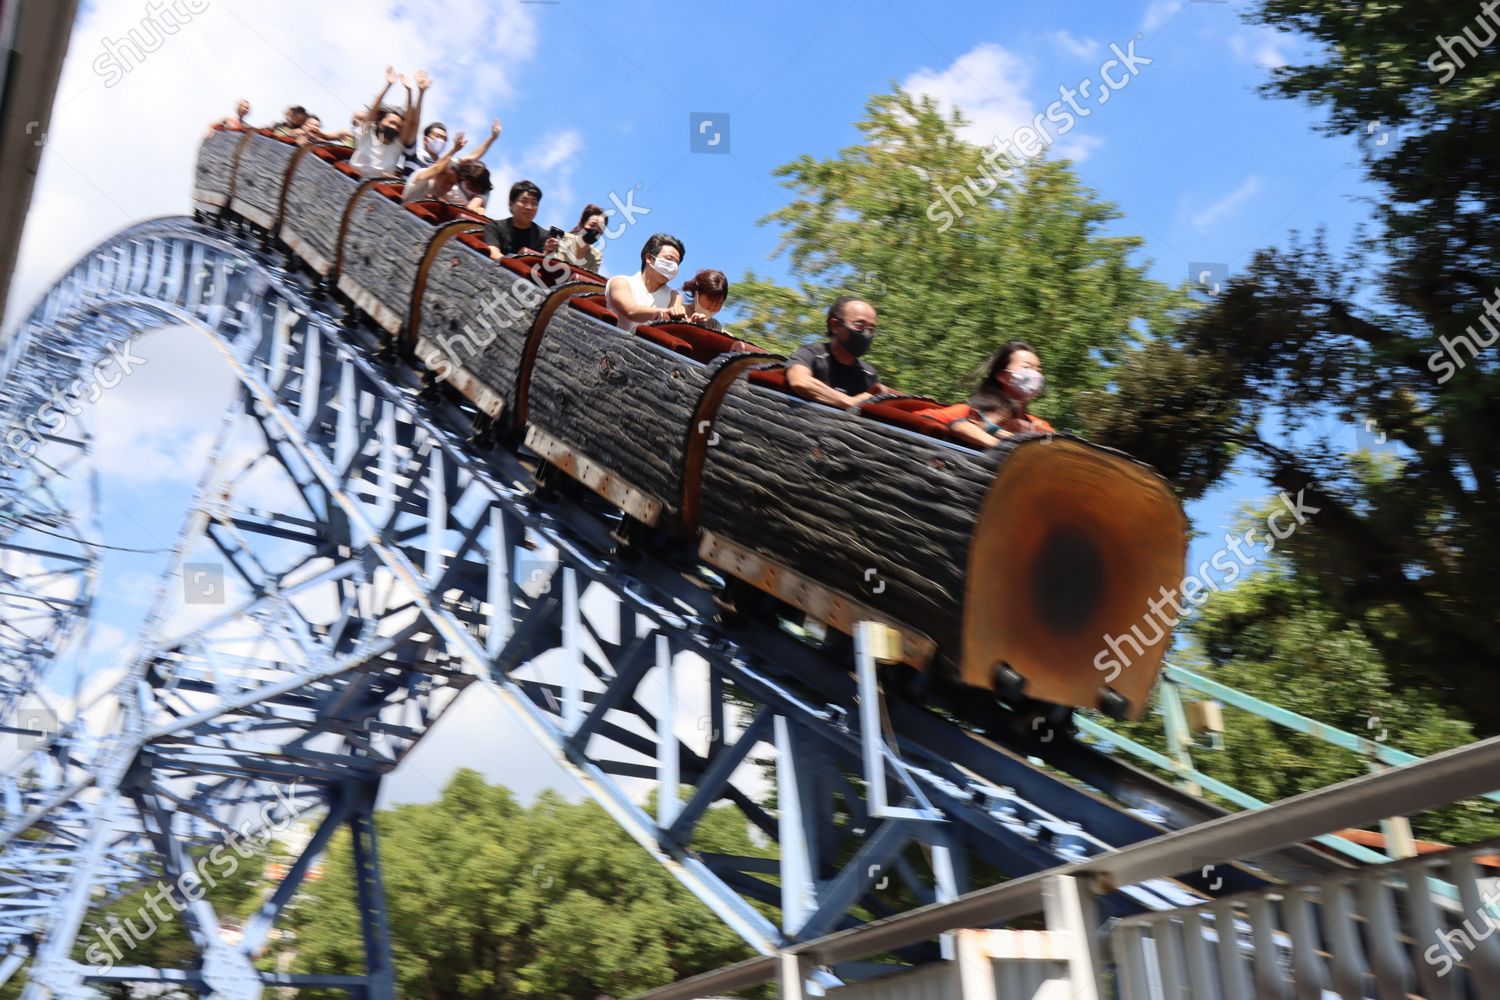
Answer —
(1009, 570)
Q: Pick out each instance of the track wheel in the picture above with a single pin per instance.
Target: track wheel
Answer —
(1009, 685)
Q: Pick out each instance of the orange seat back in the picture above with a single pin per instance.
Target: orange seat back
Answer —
(906, 412)
(705, 344)
(772, 378)
(593, 305)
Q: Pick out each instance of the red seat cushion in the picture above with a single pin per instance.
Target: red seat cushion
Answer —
(661, 337)
(575, 273)
(772, 378)
(705, 344)
(514, 265)
(476, 241)
(593, 305)
(907, 412)
(442, 212)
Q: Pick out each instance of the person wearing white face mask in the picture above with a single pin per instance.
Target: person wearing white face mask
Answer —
(435, 140)
(462, 182)
(647, 296)
(1013, 378)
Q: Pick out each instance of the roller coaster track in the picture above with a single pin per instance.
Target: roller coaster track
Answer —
(412, 566)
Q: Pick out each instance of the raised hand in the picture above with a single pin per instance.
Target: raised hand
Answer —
(423, 80)
(391, 77)
(459, 141)
(495, 128)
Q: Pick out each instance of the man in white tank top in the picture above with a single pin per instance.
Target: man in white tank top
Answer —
(646, 296)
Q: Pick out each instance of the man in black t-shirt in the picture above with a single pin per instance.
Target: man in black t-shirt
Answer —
(519, 233)
(832, 372)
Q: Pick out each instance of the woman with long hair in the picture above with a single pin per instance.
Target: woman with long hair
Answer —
(998, 407)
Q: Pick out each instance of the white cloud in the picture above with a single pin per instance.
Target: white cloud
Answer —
(1158, 13)
(1227, 205)
(1261, 47)
(551, 162)
(118, 154)
(991, 86)
(156, 426)
(988, 84)
(1080, 47)
(1077, 147)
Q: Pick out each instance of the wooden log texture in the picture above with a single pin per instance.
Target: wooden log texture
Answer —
(262, 174)
(215, 167)
(315, 201)
(383, 251)
(621, 400)
(480, 315)
(877, 513)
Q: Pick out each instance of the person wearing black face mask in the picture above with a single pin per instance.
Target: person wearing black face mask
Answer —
(581, 245)
(386, 138)
(832, 372)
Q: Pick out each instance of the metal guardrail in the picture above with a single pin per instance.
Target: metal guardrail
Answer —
(1453, 776)
(1381, 927)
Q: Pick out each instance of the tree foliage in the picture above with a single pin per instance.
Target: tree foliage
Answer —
(1275, 638)
(1306, 340)
(489, 899)
(1011, 252)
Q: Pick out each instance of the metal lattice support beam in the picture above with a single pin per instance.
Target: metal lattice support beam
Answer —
(404, 566)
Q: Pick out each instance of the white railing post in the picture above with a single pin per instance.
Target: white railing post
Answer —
(1070, 911)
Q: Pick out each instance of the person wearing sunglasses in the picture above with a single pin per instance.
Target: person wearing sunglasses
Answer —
(832, 372)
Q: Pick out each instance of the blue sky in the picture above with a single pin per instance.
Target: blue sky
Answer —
(598, 98)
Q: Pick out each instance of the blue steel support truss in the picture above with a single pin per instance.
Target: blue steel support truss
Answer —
(410, 567)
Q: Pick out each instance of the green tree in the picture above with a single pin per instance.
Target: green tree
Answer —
(958, 257)
(1274, 637)
(129, 930)
(1306, 339)
(488, 899)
